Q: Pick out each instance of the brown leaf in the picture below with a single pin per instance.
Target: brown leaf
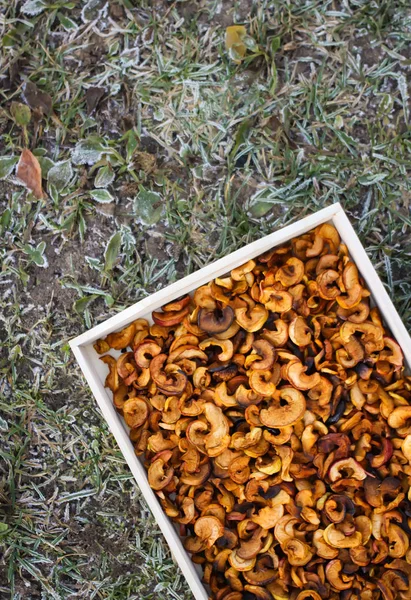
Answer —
(93, 97)
(35, 98)
(29, 172)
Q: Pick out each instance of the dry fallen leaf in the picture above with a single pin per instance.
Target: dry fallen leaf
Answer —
(35, 98)
(29, 172)
(93, 97)
(234, 41)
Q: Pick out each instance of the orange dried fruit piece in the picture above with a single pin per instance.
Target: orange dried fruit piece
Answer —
(288, 409)
(135, 412)
(121, 339)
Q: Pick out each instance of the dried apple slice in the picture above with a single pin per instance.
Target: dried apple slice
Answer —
(197, 478)
(227, 348)
(263, 573)
(251, 547)
(208, 529)
(332, 573)
(135, 412)
(278, 301)
(266, 355)
(299, 331)
(288, 409)
(112, 380)
(145, 351)
(177, 305)
(218, 439)
(158, 475)
(251, 320)
(327, 287)
(121, 339)
(239, 564)
(261, 383)
(238, 470)
(171, 318)
(296, 375)
(291, 272)
(297, 551)
(171, 383)
(215, 320)
(337, 539)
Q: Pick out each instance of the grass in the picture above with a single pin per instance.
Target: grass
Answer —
(186, 156)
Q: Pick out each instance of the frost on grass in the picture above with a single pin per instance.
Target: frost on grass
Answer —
(102, 196)
(33, 7)
(60, 175)
(403, 87)
(7, 164)
(105, 175)
(88, 151)
(148, 206)
(36, 254)
(198, 155)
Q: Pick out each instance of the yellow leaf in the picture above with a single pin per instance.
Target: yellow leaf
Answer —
(233, 41)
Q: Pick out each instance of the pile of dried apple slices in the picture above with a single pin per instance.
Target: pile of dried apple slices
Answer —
(274, 417)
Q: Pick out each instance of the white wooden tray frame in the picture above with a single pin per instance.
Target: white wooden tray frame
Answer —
(95, 371)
